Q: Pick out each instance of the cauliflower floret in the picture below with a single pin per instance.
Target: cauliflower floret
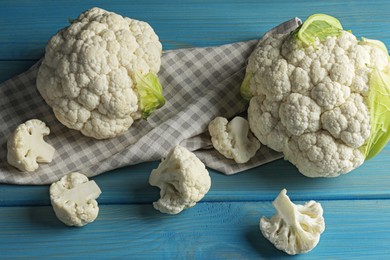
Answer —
(349, 122)
(318, 92)
(320, 155)
(300, 81)
(99, 73)
(276, 89)
(26, 147)
(233, 139)
(183, 181)
(329, 94)
(265, 123)
(294, 229)
(73, 198)
(300, 114)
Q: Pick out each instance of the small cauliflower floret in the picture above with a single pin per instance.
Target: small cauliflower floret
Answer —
(73, 198)
(183, 181)
(319, 82)
(294, 229)
(233, 139)
(26, 147)
(99, 74)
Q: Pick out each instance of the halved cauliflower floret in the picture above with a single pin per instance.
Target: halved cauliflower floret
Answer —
(26, 147)
(99, 73)
(183, 181)
(73, 198)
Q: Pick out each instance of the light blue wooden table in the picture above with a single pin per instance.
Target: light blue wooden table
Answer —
(225, 224)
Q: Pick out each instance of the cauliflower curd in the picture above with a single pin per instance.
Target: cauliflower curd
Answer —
(183, 181)
(99, 73)
(310, 101)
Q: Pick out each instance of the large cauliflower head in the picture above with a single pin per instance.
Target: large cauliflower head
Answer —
(99, 73)
(311, 101)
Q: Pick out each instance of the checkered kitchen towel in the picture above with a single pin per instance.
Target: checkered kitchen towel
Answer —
(199, 84)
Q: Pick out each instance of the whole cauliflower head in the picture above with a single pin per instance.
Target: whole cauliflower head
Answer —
(311, 102)
(294, 229)
(99, 73)
(183, 181)
(73, 198)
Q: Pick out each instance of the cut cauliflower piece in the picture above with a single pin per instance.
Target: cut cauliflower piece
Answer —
(294, 229)
(73, 199)
(183, 181)
(233, 139)
(99, 74)
(26, 147)
(332, 86)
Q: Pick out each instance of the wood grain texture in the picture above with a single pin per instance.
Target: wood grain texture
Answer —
(12, 68)
(224, 225)
(130, 185)
(220, 230)
(181, 23)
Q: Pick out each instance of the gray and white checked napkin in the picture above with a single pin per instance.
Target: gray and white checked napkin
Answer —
(199, 84)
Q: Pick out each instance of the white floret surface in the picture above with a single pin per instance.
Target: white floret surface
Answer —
(26, 147)
(183, 181)
(87, 75)
(233, 139)
(294, 229)
(70, 212)
(314, 95)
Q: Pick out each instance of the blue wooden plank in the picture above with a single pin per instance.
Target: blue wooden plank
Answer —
(183, 23)
(225, 223)
(354, 229)
(9, 69)
(130, 185)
